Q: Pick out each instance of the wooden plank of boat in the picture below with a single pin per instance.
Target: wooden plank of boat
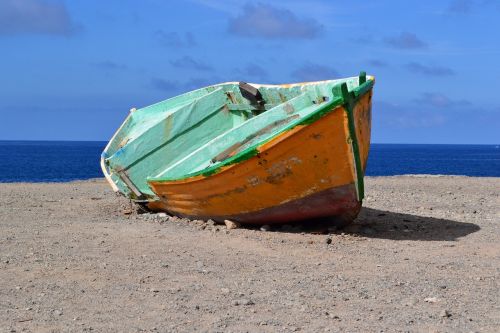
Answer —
(301, 157)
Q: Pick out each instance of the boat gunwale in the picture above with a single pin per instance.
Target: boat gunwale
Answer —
(330, 106)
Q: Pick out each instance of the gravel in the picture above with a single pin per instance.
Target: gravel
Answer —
(74, 257)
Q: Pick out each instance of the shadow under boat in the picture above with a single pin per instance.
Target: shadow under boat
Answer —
(373, 223)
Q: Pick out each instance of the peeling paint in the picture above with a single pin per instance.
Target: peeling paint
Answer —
(289, 108)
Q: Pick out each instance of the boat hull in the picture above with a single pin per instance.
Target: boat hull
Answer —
(307, 172)
(340, 204)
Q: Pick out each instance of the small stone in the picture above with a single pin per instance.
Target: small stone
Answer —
(430, 299)
(231, 224)
(265, 227)
(154, 290)
(127, 211)
(162, 214)
(328, 240)
(246, 302)
(444, 314)
(57, 312)
(243, 302)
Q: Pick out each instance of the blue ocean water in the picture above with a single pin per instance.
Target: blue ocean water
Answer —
(58, 161)
(466, 160)
(49, 161)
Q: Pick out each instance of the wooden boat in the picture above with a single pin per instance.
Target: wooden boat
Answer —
(249, 153)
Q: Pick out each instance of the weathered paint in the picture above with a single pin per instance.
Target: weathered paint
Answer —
(305, 160)
(315, 141)
(340, 202)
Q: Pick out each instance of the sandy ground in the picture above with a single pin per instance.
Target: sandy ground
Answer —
(424, 256)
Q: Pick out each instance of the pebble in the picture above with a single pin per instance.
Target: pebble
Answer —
(162, 214)
(444, 314)
(266, 227)
(243, 302)
(231, 224)
(328, 240)
(430, 299)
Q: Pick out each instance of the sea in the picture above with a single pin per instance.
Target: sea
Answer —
(61, 161)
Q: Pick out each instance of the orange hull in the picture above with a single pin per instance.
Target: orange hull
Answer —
(306, 172)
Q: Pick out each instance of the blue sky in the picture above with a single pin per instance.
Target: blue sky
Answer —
(71, 70)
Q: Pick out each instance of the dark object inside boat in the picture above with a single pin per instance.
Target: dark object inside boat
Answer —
(253, 95)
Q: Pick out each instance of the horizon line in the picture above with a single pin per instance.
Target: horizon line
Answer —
(375, 143)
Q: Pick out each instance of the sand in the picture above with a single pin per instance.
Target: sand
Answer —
(424, 256)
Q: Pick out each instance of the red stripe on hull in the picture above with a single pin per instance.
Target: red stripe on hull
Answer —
(340, 202)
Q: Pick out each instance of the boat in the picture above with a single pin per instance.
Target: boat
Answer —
(249, 153)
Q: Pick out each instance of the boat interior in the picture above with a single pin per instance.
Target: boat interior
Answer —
(189, 133)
